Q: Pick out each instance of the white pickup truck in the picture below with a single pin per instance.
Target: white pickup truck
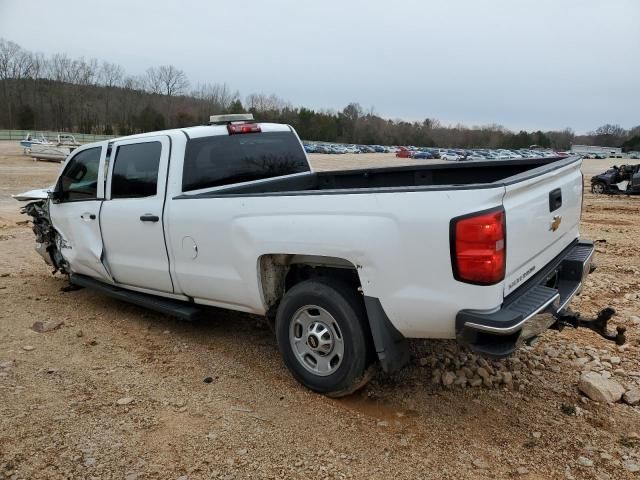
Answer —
(347, 264)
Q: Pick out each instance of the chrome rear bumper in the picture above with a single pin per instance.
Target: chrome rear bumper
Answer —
(532, 308)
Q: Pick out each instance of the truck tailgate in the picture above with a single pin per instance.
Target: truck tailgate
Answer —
(542, 216)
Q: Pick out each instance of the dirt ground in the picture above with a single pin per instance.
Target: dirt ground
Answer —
(119, 392)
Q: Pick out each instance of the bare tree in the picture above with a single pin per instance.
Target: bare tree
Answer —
(561, 139)
(132, 82)
(174, 81)
(8, 51)
(166, 80)
(39, 65)
(266, 103)
(15, 62)
(212, 98)
(111, 75)
(151, 81)
(609, 129)
(169, 81)
(60, 68)
(86, 72)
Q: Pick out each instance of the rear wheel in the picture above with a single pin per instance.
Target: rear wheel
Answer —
(323, 336)
(598, 188)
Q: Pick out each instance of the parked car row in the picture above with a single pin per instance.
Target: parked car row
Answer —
(341, 148)
(456, 155)
(430, 152)
(602, 155)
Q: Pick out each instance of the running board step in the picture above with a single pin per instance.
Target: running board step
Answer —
(176, 308)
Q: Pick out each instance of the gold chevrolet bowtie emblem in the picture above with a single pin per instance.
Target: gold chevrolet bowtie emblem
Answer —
(557, 220)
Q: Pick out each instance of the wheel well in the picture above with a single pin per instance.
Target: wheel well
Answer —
(280, 272)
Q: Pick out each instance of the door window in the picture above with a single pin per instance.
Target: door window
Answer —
(79, 181)
(135, 170)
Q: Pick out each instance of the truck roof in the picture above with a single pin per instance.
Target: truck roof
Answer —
(206, 131)
(211, 130)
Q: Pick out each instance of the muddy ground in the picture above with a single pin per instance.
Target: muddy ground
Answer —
(120, 392)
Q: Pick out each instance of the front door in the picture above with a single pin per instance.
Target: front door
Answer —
(132, 214)
(75, 211)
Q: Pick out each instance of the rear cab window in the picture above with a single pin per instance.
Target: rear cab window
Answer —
(227, 159)
(135, 170)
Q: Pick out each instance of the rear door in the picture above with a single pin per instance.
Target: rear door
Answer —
(75, 211)
(203, 233)
(132, 215)
(543, 216)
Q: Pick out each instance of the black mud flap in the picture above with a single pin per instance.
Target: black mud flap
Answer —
(390, 344)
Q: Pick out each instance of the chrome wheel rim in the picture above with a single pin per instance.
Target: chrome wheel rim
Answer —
(598, 188)
(316, 340)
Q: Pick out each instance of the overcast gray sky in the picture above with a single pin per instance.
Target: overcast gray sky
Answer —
(533, 64)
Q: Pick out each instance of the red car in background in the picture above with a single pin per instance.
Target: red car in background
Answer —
(403, 152)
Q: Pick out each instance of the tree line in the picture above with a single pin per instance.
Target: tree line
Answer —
(88, 96)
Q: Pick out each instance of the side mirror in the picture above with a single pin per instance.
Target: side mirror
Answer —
(56, 194)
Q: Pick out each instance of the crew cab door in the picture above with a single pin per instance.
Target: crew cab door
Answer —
(75, 210)
(132, 214)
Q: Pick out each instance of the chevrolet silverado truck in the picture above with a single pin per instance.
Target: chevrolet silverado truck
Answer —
(346, 265)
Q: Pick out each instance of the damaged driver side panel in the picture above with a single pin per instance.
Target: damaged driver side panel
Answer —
(75, 212)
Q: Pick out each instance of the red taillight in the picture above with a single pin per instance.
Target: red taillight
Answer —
(478, 248)
(243, 128)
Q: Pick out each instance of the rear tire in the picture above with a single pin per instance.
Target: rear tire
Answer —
(324, 338)
(598, 188)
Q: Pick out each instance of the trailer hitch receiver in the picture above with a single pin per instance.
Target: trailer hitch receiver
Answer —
(598, 324)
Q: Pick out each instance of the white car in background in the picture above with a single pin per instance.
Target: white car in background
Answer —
(450, 156)
(352, 149)
(505, 155)
(339, 149)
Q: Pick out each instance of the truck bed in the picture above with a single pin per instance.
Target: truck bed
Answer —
(455, 176)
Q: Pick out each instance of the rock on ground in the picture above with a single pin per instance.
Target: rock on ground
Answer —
(632, 397)
(600, 389)
(585, 462)
(42, 326)
(631, 466)
(481, 464)
(448, 378)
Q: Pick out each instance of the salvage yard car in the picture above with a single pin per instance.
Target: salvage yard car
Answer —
(346, 264)
(622, 179)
